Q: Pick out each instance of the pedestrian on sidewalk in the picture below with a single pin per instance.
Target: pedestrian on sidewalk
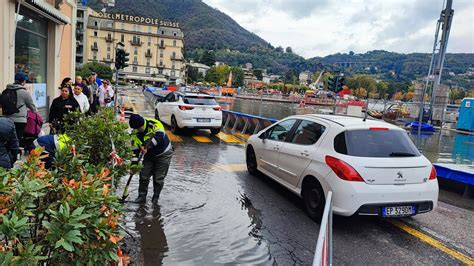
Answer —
(15, 101)
(81, 99)
(61, 106)
(93, 88)
(9, 146)
(149, 137)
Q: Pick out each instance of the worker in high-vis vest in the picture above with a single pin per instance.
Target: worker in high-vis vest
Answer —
(149, 137)
(51, 144)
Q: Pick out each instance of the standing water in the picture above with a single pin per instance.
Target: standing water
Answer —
(439, 147)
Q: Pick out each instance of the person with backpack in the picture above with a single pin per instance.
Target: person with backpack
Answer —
(9, 146)
(61, 106)
(15, 100)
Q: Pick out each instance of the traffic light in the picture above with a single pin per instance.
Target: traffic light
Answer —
(331, 83)
(339, 84)
(121, 57)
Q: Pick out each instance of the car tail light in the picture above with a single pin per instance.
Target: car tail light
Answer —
(217, 108)
(433, 173)
(343, 170)
(185, 107)
(378, 128)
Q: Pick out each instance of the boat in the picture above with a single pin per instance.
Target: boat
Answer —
(375, 114)
(425, 127)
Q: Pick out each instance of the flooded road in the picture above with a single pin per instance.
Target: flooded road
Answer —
(211, 211)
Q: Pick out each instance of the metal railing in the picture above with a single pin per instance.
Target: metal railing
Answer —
(245, 123)
(323, 253)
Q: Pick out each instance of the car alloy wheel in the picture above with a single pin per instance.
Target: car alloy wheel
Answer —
(251, 161)
(174, 126)
(314, 201)
(215, 131)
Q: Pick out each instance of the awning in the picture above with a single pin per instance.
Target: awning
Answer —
(47, 10)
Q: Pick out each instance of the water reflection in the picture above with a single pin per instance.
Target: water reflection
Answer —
(152, 236)
(441, 146)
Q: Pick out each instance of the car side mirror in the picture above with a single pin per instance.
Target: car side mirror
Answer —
(263, 136)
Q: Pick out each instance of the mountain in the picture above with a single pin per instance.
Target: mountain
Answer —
(204, 27)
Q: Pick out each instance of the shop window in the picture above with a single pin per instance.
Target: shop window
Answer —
(31, 52)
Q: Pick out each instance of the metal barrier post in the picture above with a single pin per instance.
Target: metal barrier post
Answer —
(323, 252)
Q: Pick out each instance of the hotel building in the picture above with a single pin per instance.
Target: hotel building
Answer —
(155, 46)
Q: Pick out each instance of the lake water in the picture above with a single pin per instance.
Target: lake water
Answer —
(439, 147)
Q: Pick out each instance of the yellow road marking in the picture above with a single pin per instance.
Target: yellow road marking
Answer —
(202, 139)
(228, 138)
(132, 104)
(433, 242)
(173, 137)
(244, 136)
(229, 168)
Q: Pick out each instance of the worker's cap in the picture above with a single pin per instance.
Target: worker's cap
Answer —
(136, 121)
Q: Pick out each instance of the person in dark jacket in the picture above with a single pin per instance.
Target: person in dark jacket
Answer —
(61, 106)
(150, 138)
(9, 146)
(23, 103)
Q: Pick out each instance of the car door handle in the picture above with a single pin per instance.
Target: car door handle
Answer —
(305, 153)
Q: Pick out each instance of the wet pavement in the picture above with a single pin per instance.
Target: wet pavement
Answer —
(211, 211)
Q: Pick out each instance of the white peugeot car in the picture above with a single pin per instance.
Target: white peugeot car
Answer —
(189, 110)
(372, 167)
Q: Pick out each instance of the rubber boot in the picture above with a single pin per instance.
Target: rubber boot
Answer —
(142, 191)
(156, 192)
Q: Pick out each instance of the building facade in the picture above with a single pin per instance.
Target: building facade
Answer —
(155, 46)
(38, 40)
(305, 77)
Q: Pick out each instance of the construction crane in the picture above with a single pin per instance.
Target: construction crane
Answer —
(437, 57)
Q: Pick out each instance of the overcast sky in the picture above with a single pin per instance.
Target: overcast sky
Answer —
(322, 27)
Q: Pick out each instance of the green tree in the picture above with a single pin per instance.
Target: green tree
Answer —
(290, 76)
(193, 74)
(289, 50)
(382, 88)
(237, 76)
(258, 74)
(208, 58)
(279, 49)
(103, 71)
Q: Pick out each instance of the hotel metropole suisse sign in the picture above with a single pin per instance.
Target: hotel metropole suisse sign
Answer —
(137, 19)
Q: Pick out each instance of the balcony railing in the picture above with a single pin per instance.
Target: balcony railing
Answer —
(160, 66)
(148, 54)
(109, 39)
(136, 42)
(107, 60)
(176, 58)
(94, 48)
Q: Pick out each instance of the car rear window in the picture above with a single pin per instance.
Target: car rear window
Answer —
(375, 143)
(200, 100)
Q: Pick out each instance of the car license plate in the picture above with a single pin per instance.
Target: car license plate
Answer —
(398, 211)
(204, 120)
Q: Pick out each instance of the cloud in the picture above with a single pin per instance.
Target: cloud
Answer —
(322, 27)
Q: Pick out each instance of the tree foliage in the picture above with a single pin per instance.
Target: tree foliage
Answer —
(103, 71)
